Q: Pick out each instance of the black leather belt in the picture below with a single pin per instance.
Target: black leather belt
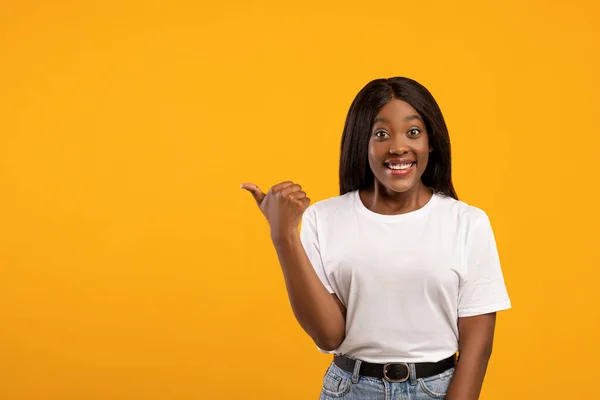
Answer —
(396, 371)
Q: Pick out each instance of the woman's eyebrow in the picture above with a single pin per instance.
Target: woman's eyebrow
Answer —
(409, 118)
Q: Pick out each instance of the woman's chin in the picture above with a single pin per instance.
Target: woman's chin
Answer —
(400, 186)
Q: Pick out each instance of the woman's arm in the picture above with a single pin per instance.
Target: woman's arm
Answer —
(476, 335)
(320, 314)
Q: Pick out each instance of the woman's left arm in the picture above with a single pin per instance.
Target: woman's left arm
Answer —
(476, 336)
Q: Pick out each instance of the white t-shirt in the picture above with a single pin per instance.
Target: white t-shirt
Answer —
(404, 279)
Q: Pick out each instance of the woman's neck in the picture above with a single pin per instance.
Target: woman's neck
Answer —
(382, 200)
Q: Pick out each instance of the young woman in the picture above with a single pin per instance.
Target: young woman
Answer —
(394, 275)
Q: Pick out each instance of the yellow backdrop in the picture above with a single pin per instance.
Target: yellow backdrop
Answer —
(134, 267)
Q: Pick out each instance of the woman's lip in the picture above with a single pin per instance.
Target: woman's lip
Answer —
(400, 172)
(398, 161)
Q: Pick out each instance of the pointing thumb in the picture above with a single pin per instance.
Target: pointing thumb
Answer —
(256, 192)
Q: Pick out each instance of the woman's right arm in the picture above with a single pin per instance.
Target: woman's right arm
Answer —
(318, 312)
(321, 314)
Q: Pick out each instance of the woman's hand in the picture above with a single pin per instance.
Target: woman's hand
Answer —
(283, 206)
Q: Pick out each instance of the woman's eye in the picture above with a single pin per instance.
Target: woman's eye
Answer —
(380, 134)
(414, 132)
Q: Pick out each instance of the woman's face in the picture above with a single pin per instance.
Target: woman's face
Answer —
(398, 147)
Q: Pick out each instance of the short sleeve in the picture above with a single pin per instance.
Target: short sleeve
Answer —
(310, 241)
(482, 288)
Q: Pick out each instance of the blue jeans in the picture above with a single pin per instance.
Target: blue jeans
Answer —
(340, 384)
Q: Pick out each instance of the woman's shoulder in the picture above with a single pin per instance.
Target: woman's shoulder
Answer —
(461, 209)
(331, 205)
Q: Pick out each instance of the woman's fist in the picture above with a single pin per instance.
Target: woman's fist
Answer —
(283, 205)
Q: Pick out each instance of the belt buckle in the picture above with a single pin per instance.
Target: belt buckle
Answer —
(387, 378)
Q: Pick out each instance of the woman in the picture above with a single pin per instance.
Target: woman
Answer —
(394, 275)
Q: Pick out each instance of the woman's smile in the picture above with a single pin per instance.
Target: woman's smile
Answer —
(399, 167)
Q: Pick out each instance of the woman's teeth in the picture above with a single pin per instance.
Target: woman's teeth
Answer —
(400, 166)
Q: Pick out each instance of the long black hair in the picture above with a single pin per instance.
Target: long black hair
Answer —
(355, 172)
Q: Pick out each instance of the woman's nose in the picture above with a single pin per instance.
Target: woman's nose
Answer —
(398, 144)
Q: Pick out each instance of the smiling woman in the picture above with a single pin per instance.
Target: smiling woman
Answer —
(395, 275)
(399, 113)
(398, 126)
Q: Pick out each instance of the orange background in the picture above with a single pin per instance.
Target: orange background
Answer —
(134, 267)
